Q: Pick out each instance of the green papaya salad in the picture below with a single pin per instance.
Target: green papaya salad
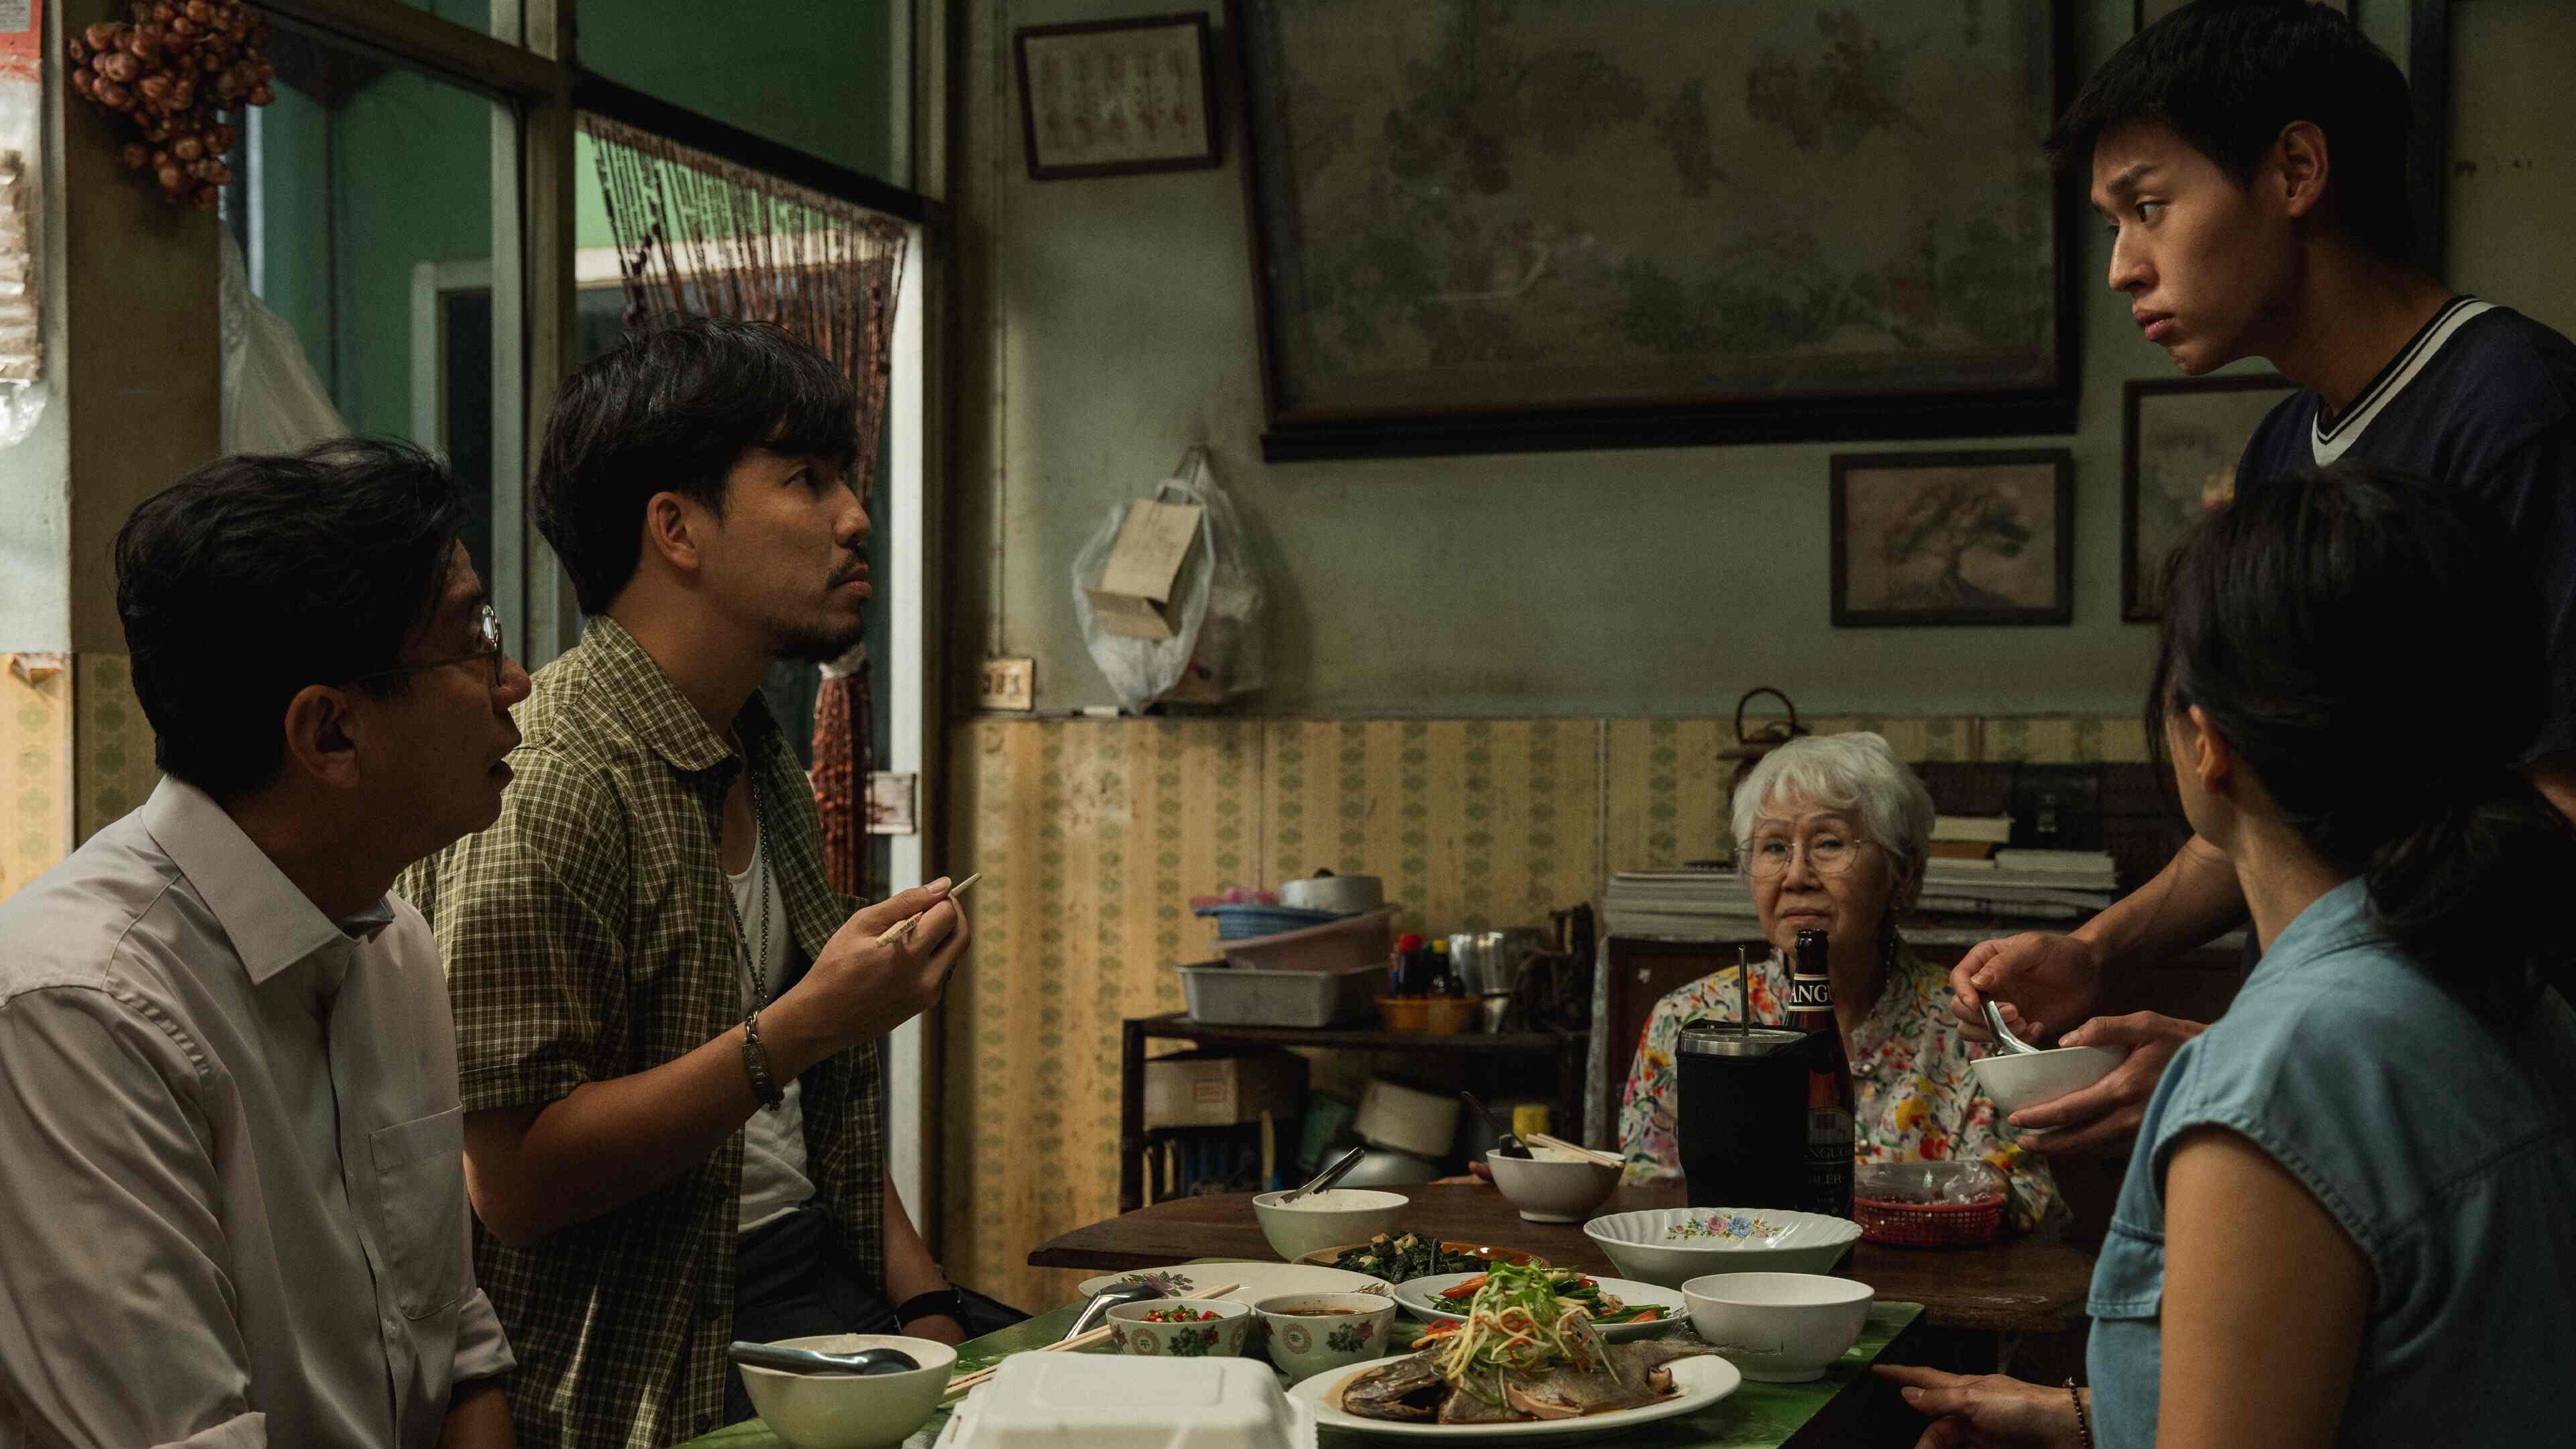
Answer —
(1571, 1287)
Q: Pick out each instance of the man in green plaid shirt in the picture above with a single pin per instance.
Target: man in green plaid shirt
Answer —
(667, 1020)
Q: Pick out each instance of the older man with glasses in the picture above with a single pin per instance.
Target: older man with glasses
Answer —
(232, 1179)
(1832, 832)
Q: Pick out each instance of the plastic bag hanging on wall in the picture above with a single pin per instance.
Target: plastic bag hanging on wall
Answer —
(1212, 611)
(273, 401)
(22, 343)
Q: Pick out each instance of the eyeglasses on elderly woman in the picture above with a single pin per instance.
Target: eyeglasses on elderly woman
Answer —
(1828, 852)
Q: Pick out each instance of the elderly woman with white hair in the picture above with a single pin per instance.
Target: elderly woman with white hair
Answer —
(1832, 831)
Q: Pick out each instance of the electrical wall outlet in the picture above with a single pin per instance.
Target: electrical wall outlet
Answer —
(1008, 684)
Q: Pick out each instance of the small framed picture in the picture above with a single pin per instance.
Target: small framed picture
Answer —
(1117, 97)
(1954, 538)
(2180, 443)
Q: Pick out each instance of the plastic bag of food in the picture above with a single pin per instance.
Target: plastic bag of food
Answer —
(1217, 606)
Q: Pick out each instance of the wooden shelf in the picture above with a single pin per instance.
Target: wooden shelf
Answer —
(1177, 1026)
(1469, 1055)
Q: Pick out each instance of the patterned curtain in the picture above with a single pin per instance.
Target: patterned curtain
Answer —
(701, 236)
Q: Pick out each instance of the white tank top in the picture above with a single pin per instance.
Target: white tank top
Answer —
(773, 1141)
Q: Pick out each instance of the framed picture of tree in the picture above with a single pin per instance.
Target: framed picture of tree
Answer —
(1953, 538)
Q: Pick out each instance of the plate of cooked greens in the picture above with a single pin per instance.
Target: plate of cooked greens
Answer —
(1401, 1257)
(1621, 1309)
(1523, 1364)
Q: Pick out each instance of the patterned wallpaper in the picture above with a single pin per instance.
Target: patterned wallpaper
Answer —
(112, 741)
(35, 774)
(1094, 834)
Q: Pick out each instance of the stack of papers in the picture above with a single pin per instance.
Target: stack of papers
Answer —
(2013, 885)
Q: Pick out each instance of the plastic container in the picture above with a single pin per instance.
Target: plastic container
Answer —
(1954, 1203)
(1251, 922)
(1361, 940)
(1407, 1118)
(1221, 994)
(1430, 1015)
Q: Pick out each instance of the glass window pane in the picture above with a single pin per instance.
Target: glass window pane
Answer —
(369, 228)
(819, 75)
(474, 13)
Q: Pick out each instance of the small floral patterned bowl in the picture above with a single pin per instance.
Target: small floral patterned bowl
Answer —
(1310, 1333)
(1671, 1246)
(1133, 1329)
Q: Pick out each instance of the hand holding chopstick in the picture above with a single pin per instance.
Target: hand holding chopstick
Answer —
(959, 1388)
(902, 930)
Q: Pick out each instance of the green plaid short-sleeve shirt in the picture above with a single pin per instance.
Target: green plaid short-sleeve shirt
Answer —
(588, 935)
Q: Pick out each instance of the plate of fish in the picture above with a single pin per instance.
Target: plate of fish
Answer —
(1622, 1310)
(1399, 1257)
(1522, 1365)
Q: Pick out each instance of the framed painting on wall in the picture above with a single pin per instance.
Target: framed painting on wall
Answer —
(1482, 228)
(1117, 97)
(2179, 446)
(1954, 538)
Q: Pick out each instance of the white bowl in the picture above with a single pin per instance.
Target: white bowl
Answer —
(1310, 1333)
(1551, 1186)
(1131, 1330)
(848, 1411)
(1779, 1328)
(1325, 1219)
(1671, 1246)
(2026, 1079)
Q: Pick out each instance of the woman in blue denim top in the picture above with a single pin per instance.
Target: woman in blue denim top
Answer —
(2350, 1217)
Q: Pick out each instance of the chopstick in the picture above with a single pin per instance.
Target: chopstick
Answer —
(1595, 1157)
(960, 1387)
(902, 930)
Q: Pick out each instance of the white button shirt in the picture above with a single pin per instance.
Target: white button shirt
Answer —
(232, 1192)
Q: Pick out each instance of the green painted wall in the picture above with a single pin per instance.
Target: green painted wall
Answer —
(1106, 325)
(815, 74)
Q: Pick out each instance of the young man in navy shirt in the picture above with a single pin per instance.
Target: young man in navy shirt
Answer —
(2249, 160)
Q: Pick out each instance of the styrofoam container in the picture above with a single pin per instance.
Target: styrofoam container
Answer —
(1086, 1401)
(1226, 995)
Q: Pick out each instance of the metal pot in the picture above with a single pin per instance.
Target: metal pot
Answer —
(1325, 891)
(1489, 963)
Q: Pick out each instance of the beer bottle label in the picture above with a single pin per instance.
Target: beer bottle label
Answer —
(1811, 993)
(1829, 1161)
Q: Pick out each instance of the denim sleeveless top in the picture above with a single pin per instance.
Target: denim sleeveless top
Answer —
(2448, 1154)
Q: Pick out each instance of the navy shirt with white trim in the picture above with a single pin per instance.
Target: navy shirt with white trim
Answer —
(2482, 397)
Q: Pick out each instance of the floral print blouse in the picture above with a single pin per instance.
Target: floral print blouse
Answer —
(1913, 1097)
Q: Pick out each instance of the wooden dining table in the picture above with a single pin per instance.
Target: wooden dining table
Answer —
(2010, 1286)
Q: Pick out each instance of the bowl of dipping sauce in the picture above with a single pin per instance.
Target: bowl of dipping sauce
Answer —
(1313, 1333)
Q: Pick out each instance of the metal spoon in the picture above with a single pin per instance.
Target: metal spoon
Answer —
(2012, 1045)
(1504, 1142)
(1329, 1175)
(1135, 1291)
(865, 1362)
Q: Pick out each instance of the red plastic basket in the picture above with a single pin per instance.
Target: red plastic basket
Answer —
(1929, 1225)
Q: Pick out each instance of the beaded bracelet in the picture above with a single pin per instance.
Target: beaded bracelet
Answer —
(2083, 1428)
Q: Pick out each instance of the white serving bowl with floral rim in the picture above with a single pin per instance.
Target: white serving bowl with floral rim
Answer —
(1671, 1246)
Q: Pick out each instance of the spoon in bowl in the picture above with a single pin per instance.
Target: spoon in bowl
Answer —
(1329, 1175)
(2012, 1045)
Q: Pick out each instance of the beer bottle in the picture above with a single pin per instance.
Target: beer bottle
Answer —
(1828, 1180)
